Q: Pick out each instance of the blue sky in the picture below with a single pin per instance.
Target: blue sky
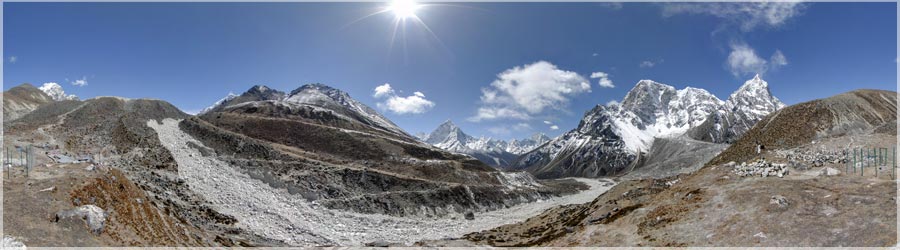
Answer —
(497, 69)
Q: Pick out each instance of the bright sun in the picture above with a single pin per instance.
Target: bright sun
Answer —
(403, 8)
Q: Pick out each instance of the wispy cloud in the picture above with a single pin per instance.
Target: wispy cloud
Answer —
(13, 59)
(524, 91)
(778, 59)
(554, 127)
(506, 130)
(604, 79)
(747, 16)
(650, 63)
(743, 60)
(79, 82)
(414, 104)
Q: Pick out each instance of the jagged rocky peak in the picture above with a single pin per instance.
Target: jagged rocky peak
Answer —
(755, 94)
(647, 96)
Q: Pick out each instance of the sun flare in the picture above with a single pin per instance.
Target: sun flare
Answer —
(404, 8)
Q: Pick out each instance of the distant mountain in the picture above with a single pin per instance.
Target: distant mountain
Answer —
(610, 139)
(22, 99)
(494, 152)
(56, 92)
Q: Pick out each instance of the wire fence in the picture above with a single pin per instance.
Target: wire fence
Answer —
(875, 159)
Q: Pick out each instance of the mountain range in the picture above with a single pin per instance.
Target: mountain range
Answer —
(494, 152)
(610, 139)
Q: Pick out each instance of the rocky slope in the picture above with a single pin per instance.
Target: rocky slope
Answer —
(815, 204)
(323, 144)
(494, 152)
(22, 99)
(611, 139)
(855, 112)
(147, 203)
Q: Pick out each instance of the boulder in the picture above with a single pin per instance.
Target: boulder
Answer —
(93, 216)
(830, 171)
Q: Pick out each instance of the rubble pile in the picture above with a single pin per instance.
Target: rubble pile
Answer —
(760, 168)
(804, 159)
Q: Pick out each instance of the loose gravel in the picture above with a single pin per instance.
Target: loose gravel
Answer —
(276, 214)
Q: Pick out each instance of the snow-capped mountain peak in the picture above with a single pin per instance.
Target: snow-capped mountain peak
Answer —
(56, 92)
(610, 137)
(492, 151)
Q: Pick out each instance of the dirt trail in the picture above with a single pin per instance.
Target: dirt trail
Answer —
(276, 214)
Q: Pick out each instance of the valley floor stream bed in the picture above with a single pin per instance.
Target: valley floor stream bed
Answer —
(276, 214)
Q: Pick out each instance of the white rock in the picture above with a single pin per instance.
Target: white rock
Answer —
(830, 171)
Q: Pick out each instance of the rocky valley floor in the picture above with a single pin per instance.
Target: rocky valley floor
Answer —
(272, 213)
(816, 206)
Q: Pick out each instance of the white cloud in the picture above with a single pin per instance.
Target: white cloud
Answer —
(414, 104)
(604, 79)
(523, 91)
(595, 54)
(746, 15)
(547, 122)
(13, 59)
(383, 90)
(554, 127)
(612, 103)
(79, 82)
(499, 130)
(744, 60)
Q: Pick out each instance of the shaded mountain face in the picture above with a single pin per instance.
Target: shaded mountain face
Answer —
(22, 99)
(494, 152)
(610, 140)
(320, 142)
